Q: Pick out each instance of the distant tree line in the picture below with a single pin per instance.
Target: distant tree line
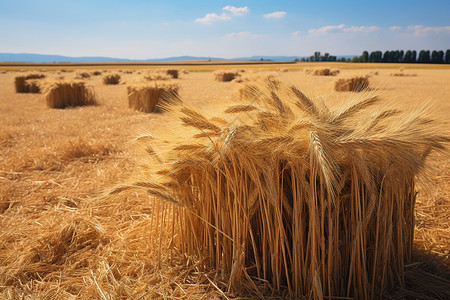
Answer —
(410, 56)
(396, 56)
(318, 57)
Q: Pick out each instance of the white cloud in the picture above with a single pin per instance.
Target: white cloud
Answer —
(275, 15)
(237, 11)
(343, 28)
(242, 35)
(422, 30)
(296, 33)
(209, 18)
(395, 28)
(228, 12)
(326, 29)
(361, 29)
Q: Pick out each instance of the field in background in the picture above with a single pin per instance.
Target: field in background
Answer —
(54, 164)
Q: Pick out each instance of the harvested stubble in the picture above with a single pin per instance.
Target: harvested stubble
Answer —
(225, 75)
(151, 97)
(313, 200)
(352, 84)
(68, 94)
(28, 83)
(111, 79)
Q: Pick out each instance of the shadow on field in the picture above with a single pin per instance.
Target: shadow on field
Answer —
(426, 277)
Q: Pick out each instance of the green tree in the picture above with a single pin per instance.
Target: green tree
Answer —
(325, 57)
(375, 56)
(408, 57)
(413, 56)
(424, 57)
(447, 56)
(364, 57)
(387, 57)
(316, 56)
(437, 57)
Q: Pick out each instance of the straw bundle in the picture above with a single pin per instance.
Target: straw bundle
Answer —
(288, 191)
(322, 71)
(69, 94)
(83, 75)
(96, 73)
(111, 79)
(225, 75)
(28, 83)
(173, 73)
(352, 84)
(400, 73)
(150, 97)
(152, 76)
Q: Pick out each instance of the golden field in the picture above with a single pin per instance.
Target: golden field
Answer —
(64, 236)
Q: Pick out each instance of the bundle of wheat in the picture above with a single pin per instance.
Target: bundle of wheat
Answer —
(400, 73)
(323, 72)
(152, 76)
(225, 75)
(290, 192)
(28, 83)
(352, 84)
(68, 94)
(173, 73)
(82, 75)
(111, 79)
(96, 73)
(151, 97)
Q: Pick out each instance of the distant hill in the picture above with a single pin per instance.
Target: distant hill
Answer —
(44, 58)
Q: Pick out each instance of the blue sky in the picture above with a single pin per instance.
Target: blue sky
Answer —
(139, 29)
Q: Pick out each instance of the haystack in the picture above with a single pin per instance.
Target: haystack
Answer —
(68, 94)
(150, 97)
(351, 84)
(157, 76)
(83, 75)
(322, 71)
(287, 191)
(111, 79)
(225, 75)
(401, 73)
(28, 83)
(173, 73)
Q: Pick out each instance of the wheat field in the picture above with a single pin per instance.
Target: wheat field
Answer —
(75, 226)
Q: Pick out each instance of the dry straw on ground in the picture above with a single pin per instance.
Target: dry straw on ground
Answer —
(68, 94)
(111, 79)
(152, 96)
(28, 83)
(351, 84)
(225, 75)
(288, 192)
